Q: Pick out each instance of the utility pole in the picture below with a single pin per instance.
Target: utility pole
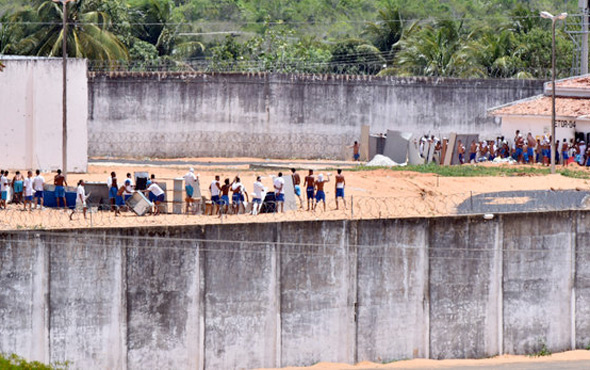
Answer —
(584, 53)
(553, 20)
(64, 53)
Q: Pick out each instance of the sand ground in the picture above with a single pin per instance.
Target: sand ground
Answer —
(374, 193)
(577, 359)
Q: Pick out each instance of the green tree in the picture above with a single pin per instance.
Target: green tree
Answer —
(355, 56)
(387, 30)
(87, 37)
(437, 51)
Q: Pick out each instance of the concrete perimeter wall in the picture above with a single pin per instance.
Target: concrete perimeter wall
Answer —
(31, 125)
(278, 115)
(296, 293)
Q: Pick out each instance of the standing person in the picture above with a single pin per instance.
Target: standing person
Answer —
(224, 203)
(28, 190)
(461, 151)
(565, 156)
(17, 185)
(38, 186)
(60, 191)
(157, 194)
(119, 200)
(320, 195)
(80, 200)
(128, 190)
(472, 151)
(238, 192)
(113, 189)
(339, 187)
(214, 188)
(190, 183)
(279, 185)
(130, 178)
(296, 185)
(257, 197)
(3, 188)
(309, 183)
(356, 151)
(531, 143)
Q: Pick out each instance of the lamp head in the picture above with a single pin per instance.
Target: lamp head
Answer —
(561, 16)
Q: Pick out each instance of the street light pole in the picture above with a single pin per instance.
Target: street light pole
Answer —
(553, 20)
(64, 53)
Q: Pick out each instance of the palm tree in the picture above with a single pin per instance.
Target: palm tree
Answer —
(388, 29)
(87, 37)
(436, 51)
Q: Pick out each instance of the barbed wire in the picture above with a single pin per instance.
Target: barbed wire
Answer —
(356, 208)
(351, 67)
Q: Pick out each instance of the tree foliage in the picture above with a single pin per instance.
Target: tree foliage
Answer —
(458, 38)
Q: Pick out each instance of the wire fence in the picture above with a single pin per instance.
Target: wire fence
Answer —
(348, 67)
(349, 208)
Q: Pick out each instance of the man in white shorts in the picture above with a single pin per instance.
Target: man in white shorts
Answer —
(80, 200)
(190, 183)
(257, 199)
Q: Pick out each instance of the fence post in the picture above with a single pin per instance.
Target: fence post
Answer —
(352, 206)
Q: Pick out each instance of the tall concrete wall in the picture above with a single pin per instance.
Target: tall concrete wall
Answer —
(31, 113)
(268, 295)
(280, 116)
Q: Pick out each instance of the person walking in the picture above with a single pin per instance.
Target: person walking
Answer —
(279, 185)
(38, 188)
(339, 187)
(80, 200)
(28, 191)
(60, 191)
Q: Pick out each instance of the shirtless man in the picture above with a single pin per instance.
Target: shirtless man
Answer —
(339, 187)
(461, 151)
(518, 147)
(296, 184)
(531, 143)
(356, 151)
(113, 189)
(310, 186)
(565, 152)
(472, 151)
(320, 195)
(224, 203)
(60, 192)
(238, 192)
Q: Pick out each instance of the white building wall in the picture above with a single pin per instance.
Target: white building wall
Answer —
(539, 125)
(31, 114)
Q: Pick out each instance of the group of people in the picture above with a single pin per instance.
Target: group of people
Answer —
(28, 190)
(524, 150)
(220, 192)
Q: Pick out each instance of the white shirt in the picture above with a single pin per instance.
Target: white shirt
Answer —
(128, 189)
(215, 188)
(80, 194)
(3, 183)
(28, 186)
(258, 189)
(155, 189)
(279, 185)
(109, 182)
(38, 182)
(130, 179)
(237, 185)
(190, 179)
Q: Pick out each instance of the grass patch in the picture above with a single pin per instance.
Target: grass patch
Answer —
(479, 171)
(15, 362)
(463, 171)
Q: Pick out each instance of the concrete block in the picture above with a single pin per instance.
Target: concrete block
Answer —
(87, 302)
(392, 283)
(466, 141)
(23, 292)
(290, 202)
(364, 142)
(414, 157)
(450, 153)
(537, 276)
(163, 310)
(376, 145)
(241, 305)
(464, 288)
(582, 281)
(396, 146)
(317, 323)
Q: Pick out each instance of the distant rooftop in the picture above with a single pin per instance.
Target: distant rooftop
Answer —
(541, 106)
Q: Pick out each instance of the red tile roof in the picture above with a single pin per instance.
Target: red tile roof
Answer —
(541, 106)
